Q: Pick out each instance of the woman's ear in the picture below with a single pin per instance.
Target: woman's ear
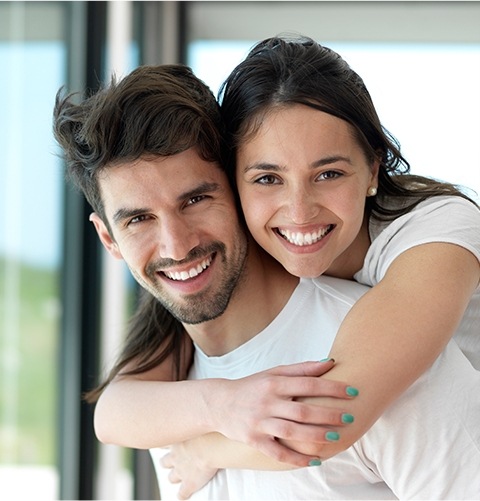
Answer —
(374, 171)
(104, 236)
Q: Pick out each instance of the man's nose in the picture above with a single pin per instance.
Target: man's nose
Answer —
(177, 238)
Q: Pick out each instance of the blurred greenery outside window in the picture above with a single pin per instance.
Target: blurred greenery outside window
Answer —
(33, 68)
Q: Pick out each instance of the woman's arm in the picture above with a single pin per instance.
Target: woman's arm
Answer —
(148, 410)
(396, 330)
(389, 338)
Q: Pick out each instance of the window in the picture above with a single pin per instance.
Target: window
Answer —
(32, 54)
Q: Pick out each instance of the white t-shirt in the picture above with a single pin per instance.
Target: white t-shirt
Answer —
(446, 219)
(394, 459)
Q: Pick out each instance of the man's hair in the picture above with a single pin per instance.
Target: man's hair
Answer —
(155, 110)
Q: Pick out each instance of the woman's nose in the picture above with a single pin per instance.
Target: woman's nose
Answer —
(302, 205)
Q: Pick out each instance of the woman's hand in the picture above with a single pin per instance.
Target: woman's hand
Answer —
(262, 409)
(184, 461)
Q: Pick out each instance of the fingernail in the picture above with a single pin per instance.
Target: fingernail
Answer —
(347, 418)
(332, 436)
(351, 391)
(315, 462)
(328, 359)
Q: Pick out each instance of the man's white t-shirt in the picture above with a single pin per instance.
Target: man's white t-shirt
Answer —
(397, 457)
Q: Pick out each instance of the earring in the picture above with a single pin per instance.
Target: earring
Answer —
(372, 191)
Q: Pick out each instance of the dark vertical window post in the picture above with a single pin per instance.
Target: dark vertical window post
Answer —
(79, 350)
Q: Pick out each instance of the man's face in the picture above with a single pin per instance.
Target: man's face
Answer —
(175, 224)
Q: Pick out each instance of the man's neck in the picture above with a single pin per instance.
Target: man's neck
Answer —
(262, 292)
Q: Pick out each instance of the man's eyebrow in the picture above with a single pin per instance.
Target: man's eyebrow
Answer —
(202, 188)
(278, 168)
(124, 213)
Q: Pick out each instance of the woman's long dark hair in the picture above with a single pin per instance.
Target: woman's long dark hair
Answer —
(284, 71)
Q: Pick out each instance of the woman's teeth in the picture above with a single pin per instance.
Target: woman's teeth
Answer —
(301, 239)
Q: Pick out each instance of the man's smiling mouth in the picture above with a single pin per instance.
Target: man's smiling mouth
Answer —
(302, 239)
(191, 272)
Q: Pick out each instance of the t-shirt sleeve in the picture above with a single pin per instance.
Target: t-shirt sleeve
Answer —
(439, 219)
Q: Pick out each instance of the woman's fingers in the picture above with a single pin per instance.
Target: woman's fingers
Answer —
(310, 368)
(310, 386)
(301, 413)
(285, 455)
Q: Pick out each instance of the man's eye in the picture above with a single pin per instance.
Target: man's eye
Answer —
(196, 199)
(267, 179)
(138, 219)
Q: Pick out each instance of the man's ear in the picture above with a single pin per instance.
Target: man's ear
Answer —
(104, 236)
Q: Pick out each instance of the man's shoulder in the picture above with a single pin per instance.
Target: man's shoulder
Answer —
(348, 291)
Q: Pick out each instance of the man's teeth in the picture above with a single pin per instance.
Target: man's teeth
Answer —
(191, 273)
(302, 239)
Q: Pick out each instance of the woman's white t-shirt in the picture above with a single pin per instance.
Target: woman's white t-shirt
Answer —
(448, 219)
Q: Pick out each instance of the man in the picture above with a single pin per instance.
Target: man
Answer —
(146, 152)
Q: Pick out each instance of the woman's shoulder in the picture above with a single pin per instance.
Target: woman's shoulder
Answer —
(441, 219)
(436, 210)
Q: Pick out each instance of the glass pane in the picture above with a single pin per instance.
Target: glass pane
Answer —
(30, 228)
(426, 95)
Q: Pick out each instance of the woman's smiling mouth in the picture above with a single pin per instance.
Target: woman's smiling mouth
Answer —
(308, 238)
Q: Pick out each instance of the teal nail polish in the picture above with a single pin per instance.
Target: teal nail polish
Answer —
(347, 418)
(328, 359)
(332, 436)
(351, 391)
(315, 462)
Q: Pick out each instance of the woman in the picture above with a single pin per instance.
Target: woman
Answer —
(325, 190)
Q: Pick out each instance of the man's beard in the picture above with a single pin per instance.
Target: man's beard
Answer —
(209, 303)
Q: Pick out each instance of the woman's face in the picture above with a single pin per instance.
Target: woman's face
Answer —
(303, 180)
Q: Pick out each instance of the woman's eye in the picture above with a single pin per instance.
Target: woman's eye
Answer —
(266, 179)
(329, 174)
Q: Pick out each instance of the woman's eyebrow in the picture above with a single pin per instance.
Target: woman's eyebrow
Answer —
(314, 165)
(330, 160)
(263, 166)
